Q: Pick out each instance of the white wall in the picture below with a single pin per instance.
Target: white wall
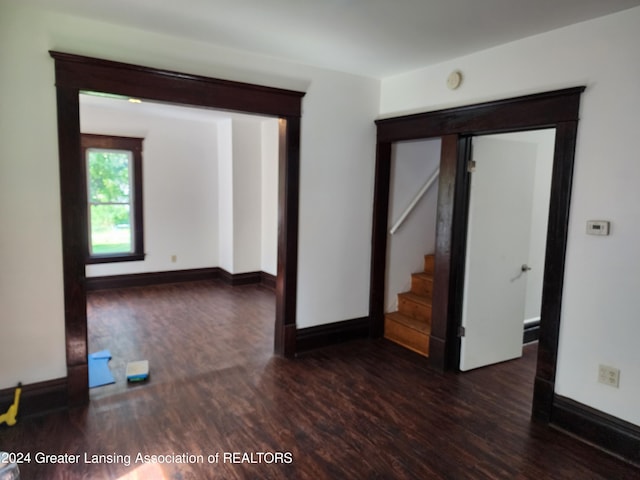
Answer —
(336, 198)
(32, 346)
(255, 195)
(412, 165)
(247, 196)
(183, 197)
(225, 195)
(336, 179)
(600, 303)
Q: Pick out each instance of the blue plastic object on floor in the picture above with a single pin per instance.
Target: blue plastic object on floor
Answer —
(99, 373)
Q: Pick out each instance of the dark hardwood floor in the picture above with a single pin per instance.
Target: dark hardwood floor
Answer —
(361, 410)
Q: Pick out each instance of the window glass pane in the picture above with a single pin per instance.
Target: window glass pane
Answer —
(108, 175)
(111, 230)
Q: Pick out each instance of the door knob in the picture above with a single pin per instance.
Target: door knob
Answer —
(525, 267)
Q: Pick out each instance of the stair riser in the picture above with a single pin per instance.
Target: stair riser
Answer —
(407, 337)
(429, 262)
(422, 286)
(414, 309)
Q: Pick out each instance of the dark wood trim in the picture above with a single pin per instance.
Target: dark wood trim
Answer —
(92, 74)
(598, 428)
(179, 276)
(542, 110)
(116, 258)
(379, 238)
(152, 278)
(322, 336)
(247, 278)
(37, 398)
(287, 276)
(73, 204)
(558, 109)
(458, 252)
(531, 333)
(267, 280)
(76, 73)
(443, 343)
(553, 279)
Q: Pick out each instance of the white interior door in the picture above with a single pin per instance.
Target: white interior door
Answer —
(499, 226)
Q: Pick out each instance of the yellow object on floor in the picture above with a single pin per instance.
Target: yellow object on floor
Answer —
(10, 417)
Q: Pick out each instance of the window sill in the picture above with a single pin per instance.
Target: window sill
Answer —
(118, 257)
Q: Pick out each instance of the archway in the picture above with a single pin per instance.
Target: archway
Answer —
(77, 73)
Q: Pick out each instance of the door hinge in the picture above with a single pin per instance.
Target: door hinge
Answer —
(461, 331)
(471, 166)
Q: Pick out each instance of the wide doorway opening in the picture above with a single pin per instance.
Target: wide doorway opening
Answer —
(75, 74)
(208, 179)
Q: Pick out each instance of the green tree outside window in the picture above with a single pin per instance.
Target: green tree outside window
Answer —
(109, 191)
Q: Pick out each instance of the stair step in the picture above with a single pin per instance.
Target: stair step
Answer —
(429, 263)
(415, 306)
(408, 332)
(422, 284)
(410, 322)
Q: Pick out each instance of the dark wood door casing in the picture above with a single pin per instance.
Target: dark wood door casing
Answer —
(76, 73)
(557, 109)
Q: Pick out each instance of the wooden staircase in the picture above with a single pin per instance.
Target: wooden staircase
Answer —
(410, 326)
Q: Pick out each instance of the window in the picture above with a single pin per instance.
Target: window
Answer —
(114, 198)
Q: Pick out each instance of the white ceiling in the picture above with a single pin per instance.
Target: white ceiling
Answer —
(375, 38)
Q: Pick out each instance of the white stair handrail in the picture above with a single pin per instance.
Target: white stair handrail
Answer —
(415, 201)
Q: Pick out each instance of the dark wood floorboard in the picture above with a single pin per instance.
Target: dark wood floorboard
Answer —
(362, 410)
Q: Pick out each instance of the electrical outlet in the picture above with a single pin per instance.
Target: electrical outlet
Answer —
(174, 258)
(609, 376)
